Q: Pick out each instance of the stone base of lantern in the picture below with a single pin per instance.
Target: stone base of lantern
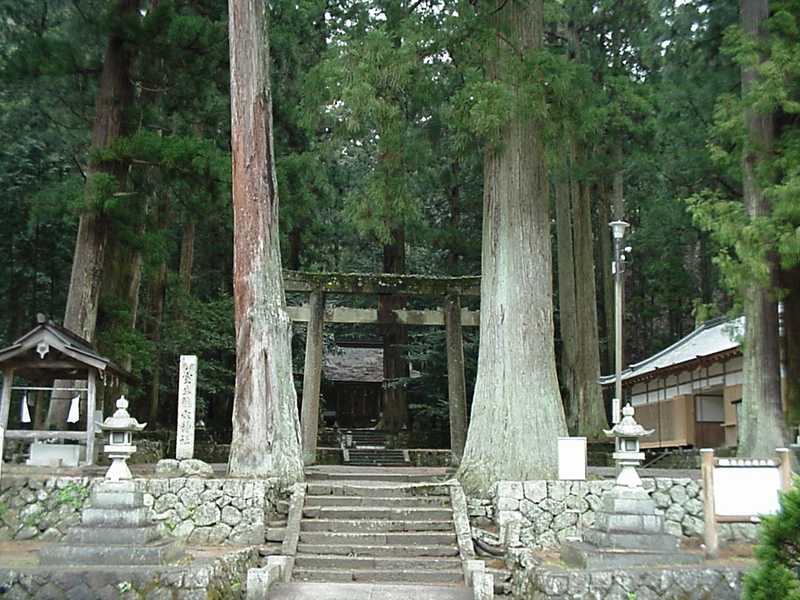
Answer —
(628, 531)
(114, 530)
(587, 556)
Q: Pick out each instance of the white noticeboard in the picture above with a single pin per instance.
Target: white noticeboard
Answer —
(572, 458)
(743, 491)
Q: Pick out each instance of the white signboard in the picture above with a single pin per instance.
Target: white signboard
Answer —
(746, 490)
(572, 458)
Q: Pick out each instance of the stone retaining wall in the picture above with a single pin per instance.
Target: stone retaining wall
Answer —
(202, 579)
(548, 512)
(201, 511)
(639, 583)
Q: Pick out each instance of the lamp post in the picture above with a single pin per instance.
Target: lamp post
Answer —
(618, 269)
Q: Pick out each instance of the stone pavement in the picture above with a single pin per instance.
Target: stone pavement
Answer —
(366, 591)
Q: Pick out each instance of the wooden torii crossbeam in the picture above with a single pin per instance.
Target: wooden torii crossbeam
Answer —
(451, 315)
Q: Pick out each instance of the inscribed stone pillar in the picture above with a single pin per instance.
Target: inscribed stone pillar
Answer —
(187, 388)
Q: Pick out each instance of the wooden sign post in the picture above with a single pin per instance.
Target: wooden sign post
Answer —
(741, 491)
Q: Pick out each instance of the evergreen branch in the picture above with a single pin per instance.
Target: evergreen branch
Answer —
(414, 6)
(509, 43)
(78, 164)
(76, 6)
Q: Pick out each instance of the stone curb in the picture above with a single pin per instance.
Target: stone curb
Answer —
(289, 547)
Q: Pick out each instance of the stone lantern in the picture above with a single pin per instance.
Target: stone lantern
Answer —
(628, 456)
(115, 528)
(628, 529)
(120, 427)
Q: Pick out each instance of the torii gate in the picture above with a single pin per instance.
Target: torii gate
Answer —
(452, 316)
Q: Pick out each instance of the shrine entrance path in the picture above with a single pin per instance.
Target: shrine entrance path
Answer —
(366, 591)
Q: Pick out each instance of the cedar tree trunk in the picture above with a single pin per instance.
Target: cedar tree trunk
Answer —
(187, 255)
(762, 427)
(395, 340)
(516, 411)
(266, 427)
(606, 256)
(567, 312)
(589, 399)
(791, 342)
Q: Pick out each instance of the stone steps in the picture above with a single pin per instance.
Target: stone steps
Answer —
(502, 581)
(376, 563)
(366, 474)
(366, 591)
(378, 501)
(381, 530)
(398, 539)
(275, 534)
(375, 456)
(369, 576)
(132, 535)
(159, 552)
(367, 437)
(374, 513)
(276, 529)
(377, 489)
(372, 525)
(396, 549)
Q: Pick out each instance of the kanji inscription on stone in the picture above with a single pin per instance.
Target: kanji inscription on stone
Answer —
(187, 389)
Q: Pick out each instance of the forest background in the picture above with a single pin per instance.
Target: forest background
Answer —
(381, 115)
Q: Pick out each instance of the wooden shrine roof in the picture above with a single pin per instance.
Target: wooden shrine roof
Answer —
(57, 350)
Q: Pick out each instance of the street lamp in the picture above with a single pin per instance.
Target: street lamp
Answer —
(618, 269)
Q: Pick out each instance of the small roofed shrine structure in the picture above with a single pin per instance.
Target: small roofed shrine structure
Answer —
(49, 360)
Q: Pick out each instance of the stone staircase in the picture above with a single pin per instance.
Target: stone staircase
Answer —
(375, 531)
(276, 529)
(376, 457)
(369, 450)
(367, 438)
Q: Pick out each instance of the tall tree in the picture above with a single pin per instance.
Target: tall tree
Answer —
(588, 397)
(266, 427)
(761, 423)
(516, 410)
(103, 179)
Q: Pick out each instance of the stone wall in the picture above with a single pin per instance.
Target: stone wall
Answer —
(550, 511)
(201, 579)
(641, 583)
(201, 511)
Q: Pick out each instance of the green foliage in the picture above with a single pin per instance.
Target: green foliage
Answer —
(747, 241)
(777, 576)
(203, 328)
(33, 519)
(73, 494)
(427, 352)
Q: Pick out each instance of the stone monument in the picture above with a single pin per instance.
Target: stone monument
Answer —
(628, 529)
(115, 528)
(187, 396)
